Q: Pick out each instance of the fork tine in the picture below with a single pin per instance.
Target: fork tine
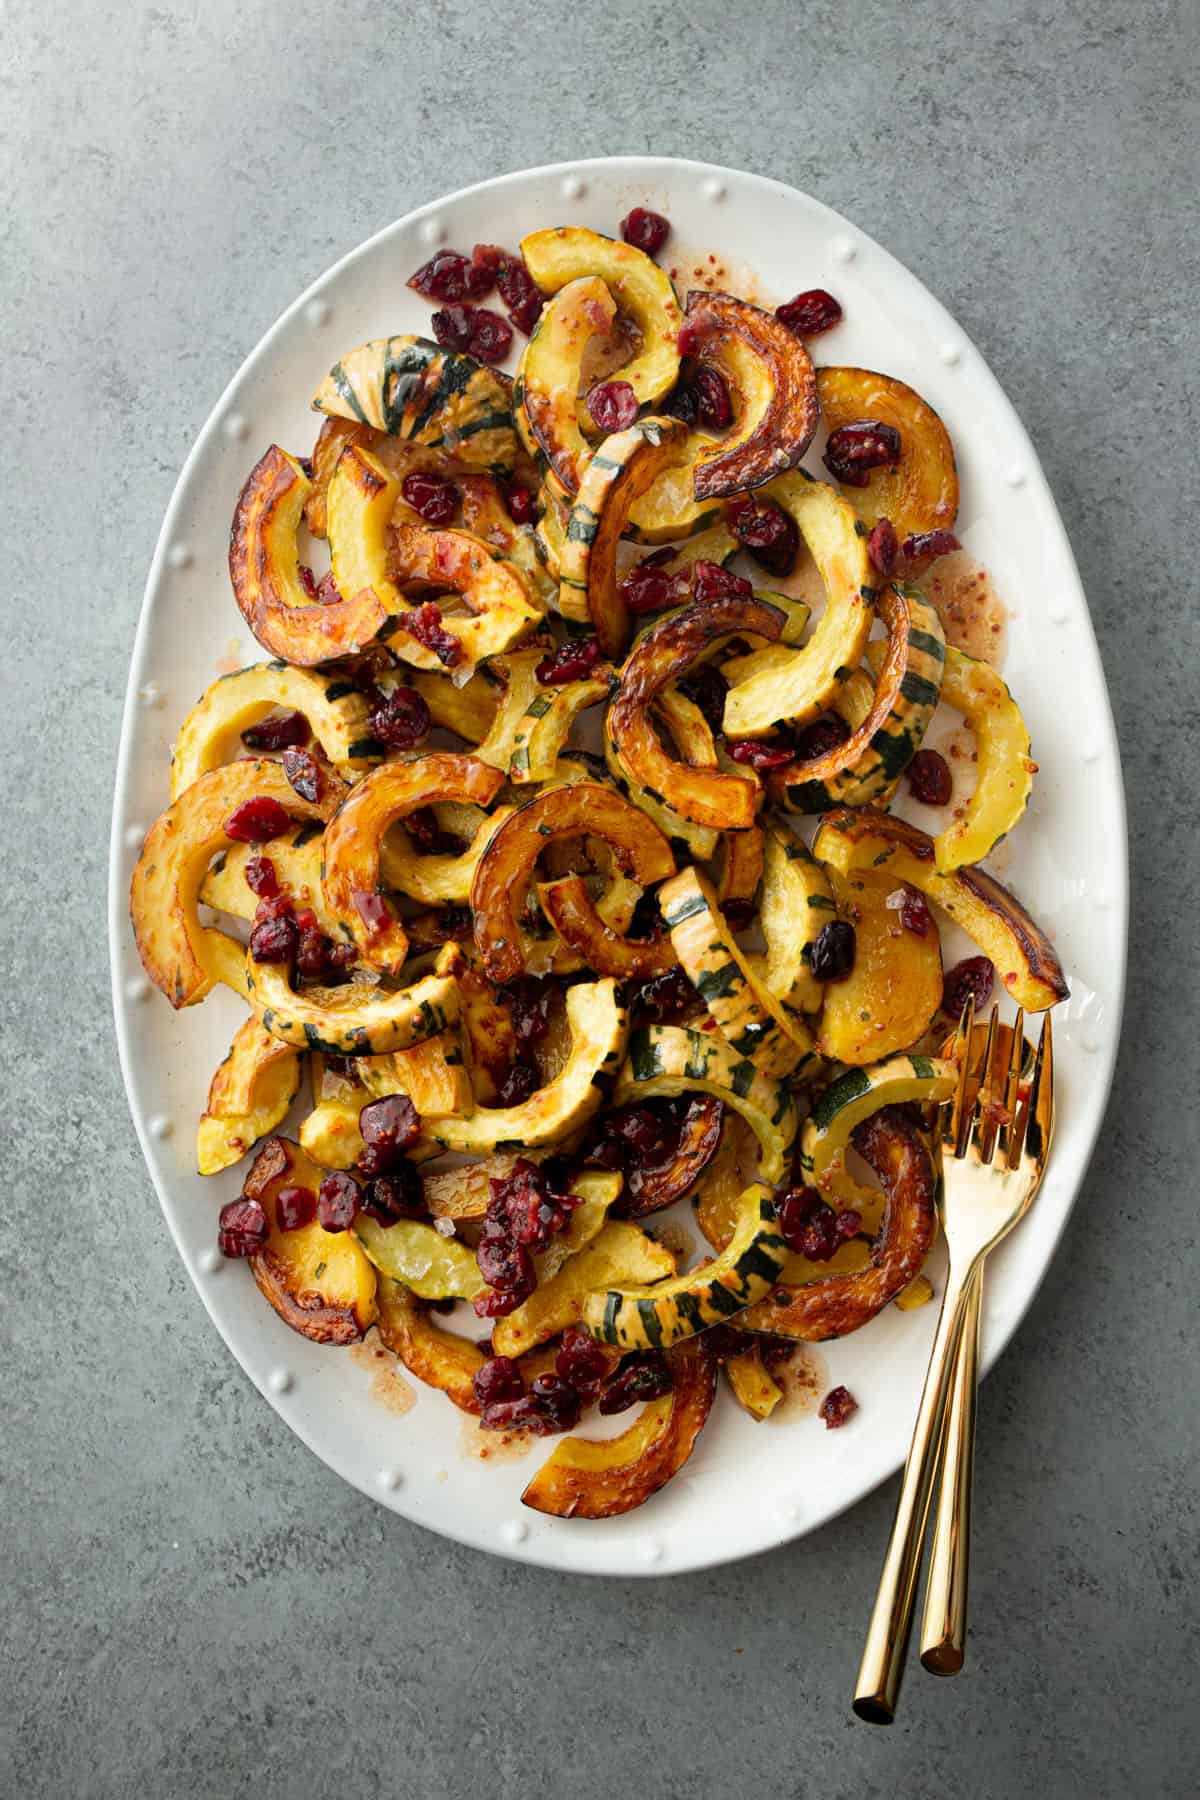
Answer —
(984, 1122)
(1010, 1140)
(954, 1113)
(1041, 1099)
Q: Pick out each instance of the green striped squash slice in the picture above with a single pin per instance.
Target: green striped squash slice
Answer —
(666, 1060)
(640, 1318)
(546, 724)
(857, 1094)
(211, 733)
(687, 840)
(797, 903)
(412, 388)
(564, 253)
(549, 378)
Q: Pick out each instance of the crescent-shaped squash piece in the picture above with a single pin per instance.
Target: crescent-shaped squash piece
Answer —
(318, 1281)
(211, 733)
(249, 1095)
(411, 388)
(771, 375)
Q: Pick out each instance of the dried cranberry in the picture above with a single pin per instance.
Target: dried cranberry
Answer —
(812, 1228)
(883, 546)
(648, 587)
(427, 835)
(522, 1414)
(684, 404)
(810, 312)
(261, 877)
(318, 957)
(929, 543)
(644, 1133)
(645, 1375)
(337, 1201)
(257, 820)
(525, 1208)
(739, 915)
(519, 292)
(328, 592)
(473, 331)
(400, 1194)
(434, 498)
(613, 405)
(665, 997)
(973, 977)
(307, 580)
(519, 501)
(424, 623)
(914, 913)
(556, 1400)
(295, 1207)
(278, 733)
(527, 1001)
(712, 582)
(505, 1266)
(833, 951)
(274, 941)
(573, 661)
(581, 1361)
(775, 1351)
(451, 276)
(388, 1127)
(837, 1407)
(714, 408)
(929, 777)
(761, 753)
(725, 1341)
(373, 910)
(706, 687)
(520, 1079)
(767, 532)
(855, 449)
(241, 1228)
(645, 230)
(401, 719)
(305, 775)
(821, 738)
(273, 906)
(498, 1379)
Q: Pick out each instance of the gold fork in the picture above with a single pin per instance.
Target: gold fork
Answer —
(984, 1200)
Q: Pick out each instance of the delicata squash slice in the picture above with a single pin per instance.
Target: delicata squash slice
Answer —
(836, 1304)
(319, 1282)
(641, 290)
(211, 733)
(1024, 957)
(506, 868)
(550, 377)
(919, 492)
(411, 388)
(249, 1095)
(352, 871)
(908, 682)
(683, 639)
(892, 994)
(585, 1479)
(667, 1060)
(854, 1096)
(264, 568)
(441, 1359)
(771, 374)
(177, 951)
(572, 912)
(296, 860)
(621, 1251)
(642, 1318)
(797, 904)
(797, 684)
(354, 1020)
(500, 607)
(622, 468)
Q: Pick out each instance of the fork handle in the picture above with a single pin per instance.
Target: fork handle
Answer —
(944, 1621)
(882, 1663)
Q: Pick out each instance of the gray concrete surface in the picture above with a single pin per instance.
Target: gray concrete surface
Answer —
(192, 1605)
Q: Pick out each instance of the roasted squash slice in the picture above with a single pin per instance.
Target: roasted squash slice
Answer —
(835, 1304)
(599, 1025)
(437, 880)
(771, 376)
(433, 1074)
(622, 468)
(650, 1188)
(495, 592)
(354, 1020)
(177, 951)
(745, 1012)
(920, 492)
(432, 1266)
(318, 1281)
(505, 872)
(776, 684)
(586, 1479)
(264, 568)
(410, 388)
(441, 1359)
(666, 1060)
(211, 733)
(892, 994)
(550, 378)
(330, 1132)
(741, 859)
(332, 439)
(708, 798)
(485, 515)
(619, 1252)
(550, 532)
(1025, 959)
(352, 874)
(854, 1096)
(469, 711)
(688, 840)
(669, 510)
(797, 904)
(751, 1384)
(908, 682)
(521, 688)
(249, 1095)
(572, 912)
(640, 1318)
(641, 289)
(296, 860)
(548, 721)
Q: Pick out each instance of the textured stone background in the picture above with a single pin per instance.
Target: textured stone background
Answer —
(192, 1605)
